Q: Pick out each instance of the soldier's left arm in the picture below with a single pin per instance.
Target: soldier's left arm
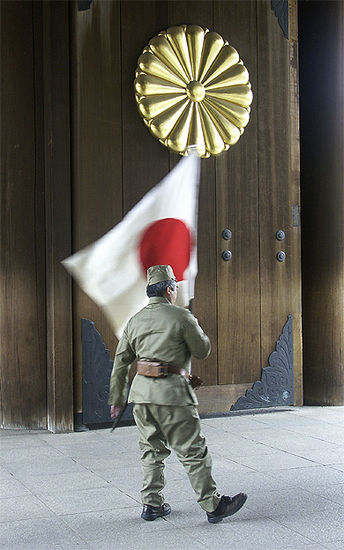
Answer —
(195, 338)
(120, 373)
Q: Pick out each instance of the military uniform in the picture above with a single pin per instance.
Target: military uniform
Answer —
(165, 408)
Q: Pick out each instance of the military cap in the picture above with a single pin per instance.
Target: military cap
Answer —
(159, 273)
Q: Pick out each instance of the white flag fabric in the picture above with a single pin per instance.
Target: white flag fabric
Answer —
(161, 229)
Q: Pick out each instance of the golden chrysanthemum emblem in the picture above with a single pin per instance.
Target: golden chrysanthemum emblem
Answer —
(192, 89)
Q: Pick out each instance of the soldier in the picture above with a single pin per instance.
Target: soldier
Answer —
(163, 337)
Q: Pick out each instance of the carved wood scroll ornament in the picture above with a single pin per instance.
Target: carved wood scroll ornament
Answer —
(192, 88)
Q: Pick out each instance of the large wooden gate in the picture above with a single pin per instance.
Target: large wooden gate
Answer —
(252, 189)
(76, 157)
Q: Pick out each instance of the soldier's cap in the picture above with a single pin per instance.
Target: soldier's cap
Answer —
(159, 273)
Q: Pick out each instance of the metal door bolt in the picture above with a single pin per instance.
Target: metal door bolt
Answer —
(280, 235)
(226, 234)
(281, 256)
(226, 255)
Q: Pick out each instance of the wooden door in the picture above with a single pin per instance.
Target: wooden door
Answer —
(257, 194)
(254, 194)
(237, 205)
(243, 303)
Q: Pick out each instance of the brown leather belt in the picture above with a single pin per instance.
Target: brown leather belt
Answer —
(156, 369)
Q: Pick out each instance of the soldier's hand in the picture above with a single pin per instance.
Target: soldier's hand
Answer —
(115, 410)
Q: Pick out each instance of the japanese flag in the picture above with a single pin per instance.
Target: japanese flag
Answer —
(160, 229)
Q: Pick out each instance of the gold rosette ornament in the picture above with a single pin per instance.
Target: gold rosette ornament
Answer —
(192, 89)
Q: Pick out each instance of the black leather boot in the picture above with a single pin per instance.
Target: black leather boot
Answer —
(150, 513)
(227, 507)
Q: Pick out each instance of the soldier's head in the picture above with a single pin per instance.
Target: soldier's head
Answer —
(161, 282)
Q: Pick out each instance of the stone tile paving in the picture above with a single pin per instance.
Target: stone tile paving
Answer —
(81, 490)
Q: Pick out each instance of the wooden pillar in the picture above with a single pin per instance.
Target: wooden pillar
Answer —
(36, 336)
(321, 38)
(22, 257)
(56, 100)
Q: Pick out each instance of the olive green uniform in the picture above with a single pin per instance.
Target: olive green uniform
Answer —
(165, 408)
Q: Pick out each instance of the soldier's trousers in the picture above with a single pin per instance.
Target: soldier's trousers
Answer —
(162, 427)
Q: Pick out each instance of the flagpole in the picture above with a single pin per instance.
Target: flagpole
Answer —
(193, 152)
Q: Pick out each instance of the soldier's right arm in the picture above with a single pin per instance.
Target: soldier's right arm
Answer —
(120, 373)
(195, 338)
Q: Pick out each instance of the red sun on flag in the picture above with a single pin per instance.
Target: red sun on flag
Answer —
(166, 242)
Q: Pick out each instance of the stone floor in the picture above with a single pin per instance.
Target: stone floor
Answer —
(81, 490)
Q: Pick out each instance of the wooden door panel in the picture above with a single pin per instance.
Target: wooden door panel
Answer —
(275, 210)
(145, 161)
(97, 148)
(205, 302)
(237, 209)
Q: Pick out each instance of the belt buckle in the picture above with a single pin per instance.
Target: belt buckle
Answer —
(163, 370)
